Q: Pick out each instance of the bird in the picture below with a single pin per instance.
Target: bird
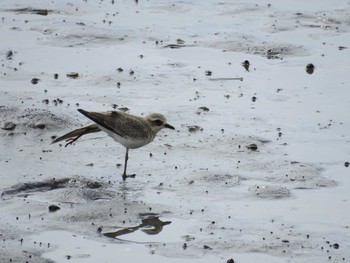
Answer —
(129, 130)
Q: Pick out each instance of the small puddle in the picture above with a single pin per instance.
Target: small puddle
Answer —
(64, 245)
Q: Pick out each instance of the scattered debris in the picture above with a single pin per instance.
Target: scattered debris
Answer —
(246, 65)
(208, 73)
(35, 81)
(53, 208)
(72, 75)
(252, 147)
(194, 128)
(310, 68)
(9, 54)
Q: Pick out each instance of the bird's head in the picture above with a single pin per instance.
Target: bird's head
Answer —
(158, 122)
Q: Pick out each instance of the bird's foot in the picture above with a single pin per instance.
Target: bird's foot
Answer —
(128, 176)
(70, 141)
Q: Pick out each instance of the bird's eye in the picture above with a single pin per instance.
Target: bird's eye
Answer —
(158, 122)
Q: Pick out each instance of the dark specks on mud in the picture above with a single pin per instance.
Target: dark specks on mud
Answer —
(208, 72)
(202, 110)
(9, 55)
(246, 65)
(310, 68)
(194, 128)
(252, 147)
(35, 81)
(72, 75)
(54, 208)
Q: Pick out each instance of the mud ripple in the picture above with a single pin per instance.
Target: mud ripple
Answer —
(249, 45)
(293, 175)
(269, 191)
(90, 188)
(34, 119)
(76, 39)
(83, 195)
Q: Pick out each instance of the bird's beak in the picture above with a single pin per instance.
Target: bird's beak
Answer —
(169, 126)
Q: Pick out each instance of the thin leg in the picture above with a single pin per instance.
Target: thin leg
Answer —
(126, 164)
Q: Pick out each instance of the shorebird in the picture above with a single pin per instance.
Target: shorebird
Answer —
(129, 130)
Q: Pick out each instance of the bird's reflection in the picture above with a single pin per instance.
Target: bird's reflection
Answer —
(150, 226)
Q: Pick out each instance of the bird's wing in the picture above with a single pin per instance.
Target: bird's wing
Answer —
(123, 124)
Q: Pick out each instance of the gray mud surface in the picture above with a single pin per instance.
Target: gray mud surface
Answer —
(256, 170)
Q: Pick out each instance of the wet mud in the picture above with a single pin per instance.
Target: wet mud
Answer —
(256, 170)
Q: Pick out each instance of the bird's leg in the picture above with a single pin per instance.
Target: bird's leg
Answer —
(125, 165)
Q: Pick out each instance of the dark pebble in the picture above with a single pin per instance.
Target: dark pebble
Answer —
(40, 126)
(72, 75)
(54, 208)
(194, 128)
(203, 108)
(230, 260)
(336, 246)
(208, 73)
(252, 147)
(9, 54)
(207, 247)
(310, 68)
(246, 65)
(346, 164)
(35, 81)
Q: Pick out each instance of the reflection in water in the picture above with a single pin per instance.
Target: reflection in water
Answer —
(151, 226)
